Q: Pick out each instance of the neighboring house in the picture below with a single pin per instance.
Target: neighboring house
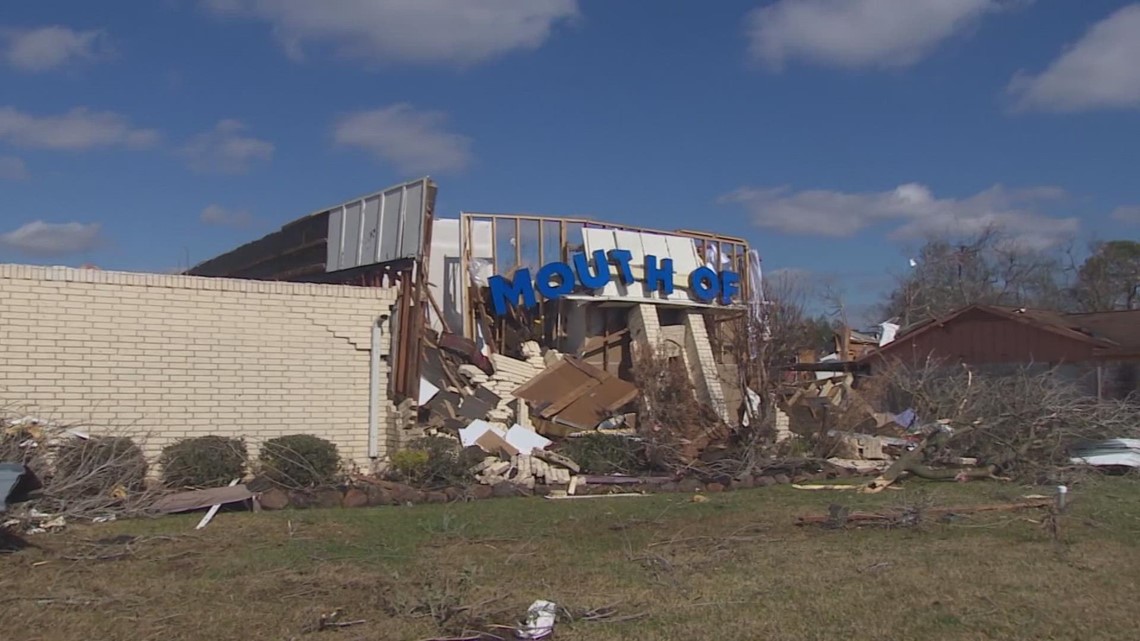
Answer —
(1102, 349)
(852, 345)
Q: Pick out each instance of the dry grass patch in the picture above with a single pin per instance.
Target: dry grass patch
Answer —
(734, 567)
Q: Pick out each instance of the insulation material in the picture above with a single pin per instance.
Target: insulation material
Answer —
(683, 252)
(475, 429)
(756, 304)
(444, 278)
(525, 440)
(427, 391)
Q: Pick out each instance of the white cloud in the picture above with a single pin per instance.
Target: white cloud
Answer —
(860, 33)
(1099, 71)
(225, 150)
(411, 141)
(47, 48)
(77, 129)
(218, 215)
(1127, 214)
(53, 239)
(13, 168)
(911, 209)
(421, 31)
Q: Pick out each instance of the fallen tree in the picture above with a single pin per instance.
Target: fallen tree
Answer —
(1022, 422)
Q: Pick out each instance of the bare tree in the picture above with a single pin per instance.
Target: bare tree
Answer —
(788, 329)
(989, 268)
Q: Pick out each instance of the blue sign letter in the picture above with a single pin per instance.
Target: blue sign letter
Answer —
(505, 293)
(597, 280)
(659, 278)
(622, 258)
(704, 284)
(565, 280)
(729, 286)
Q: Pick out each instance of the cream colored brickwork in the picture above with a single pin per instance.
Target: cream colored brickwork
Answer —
(646, 330)
(702, 365)
(783, 426)
(176, 356)
(644, 326)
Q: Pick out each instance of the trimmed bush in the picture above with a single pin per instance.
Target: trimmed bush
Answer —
(299, 460)
(410, 464)
(204, 461)
(100, 465)
(435, 461)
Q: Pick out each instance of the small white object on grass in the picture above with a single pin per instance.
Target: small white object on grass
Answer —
(539, 622)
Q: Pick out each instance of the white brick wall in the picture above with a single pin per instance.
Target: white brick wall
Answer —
(644, 326)
(783, 426)
(702, 365)
(510, 374)
(174, 356)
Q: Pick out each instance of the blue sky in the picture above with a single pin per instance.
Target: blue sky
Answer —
(833, 134)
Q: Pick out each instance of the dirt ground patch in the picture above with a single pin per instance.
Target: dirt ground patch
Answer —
(732, 567)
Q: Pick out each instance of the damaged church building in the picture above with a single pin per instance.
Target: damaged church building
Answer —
(510, 330)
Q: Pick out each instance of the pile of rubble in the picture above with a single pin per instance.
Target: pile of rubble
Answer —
(545, 394)
(525, 470)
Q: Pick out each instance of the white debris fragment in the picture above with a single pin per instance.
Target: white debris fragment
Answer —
(539, 624)
(526, 440)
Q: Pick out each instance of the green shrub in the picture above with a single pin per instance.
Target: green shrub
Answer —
(435, 461)
(410, 464)
(100, 465)
(299, 460)
(204, 461)
(607, 454)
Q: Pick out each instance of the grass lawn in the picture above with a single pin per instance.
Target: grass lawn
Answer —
(733, 567)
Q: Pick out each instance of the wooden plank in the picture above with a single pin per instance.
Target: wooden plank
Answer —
(198, 499)
(542, 387)
(213, 510)
(570, 397)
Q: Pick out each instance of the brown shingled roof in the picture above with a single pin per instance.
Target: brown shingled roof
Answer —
(1120, 327)
(1112, 333)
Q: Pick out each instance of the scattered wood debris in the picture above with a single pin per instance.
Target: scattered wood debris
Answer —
(332, 621)
(840, 516)
(201, 499)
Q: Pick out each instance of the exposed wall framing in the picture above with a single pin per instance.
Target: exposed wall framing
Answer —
(505, 243)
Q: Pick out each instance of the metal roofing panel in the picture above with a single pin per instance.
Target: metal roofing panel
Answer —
(370, 248)
(412, 218)
(336, 227)
(353, 227)
(379, 227)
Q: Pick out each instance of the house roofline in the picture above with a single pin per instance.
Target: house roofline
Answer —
(1008, 313)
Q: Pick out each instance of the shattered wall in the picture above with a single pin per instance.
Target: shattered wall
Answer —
(178, 356)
